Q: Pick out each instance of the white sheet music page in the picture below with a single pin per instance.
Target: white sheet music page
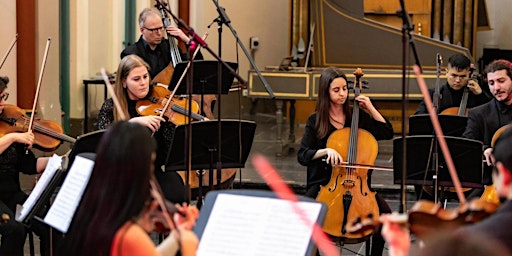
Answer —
(247, 225)
(63, 208)
(54, 163)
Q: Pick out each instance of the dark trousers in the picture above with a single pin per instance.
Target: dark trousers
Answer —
(14, 233)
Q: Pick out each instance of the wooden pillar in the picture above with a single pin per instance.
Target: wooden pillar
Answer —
(437, 10)
(458, 22)
(447, 20)
(26, 54)
(468, 24)
(184, 14)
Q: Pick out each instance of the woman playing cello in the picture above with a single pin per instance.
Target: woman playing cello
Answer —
(332, 112)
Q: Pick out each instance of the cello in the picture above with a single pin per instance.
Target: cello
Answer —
(462, 109)
(347, 194)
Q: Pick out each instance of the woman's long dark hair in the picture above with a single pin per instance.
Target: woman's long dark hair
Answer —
(118, 190)
(324, 101)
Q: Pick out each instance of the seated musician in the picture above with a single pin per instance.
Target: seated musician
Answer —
(117, 211)
(14, 159)
(333, 113)
(152, 47)
(497, 227)
(485, 120)
(457, 77)
(132, 84)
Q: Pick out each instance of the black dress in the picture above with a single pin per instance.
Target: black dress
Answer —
(172, 184)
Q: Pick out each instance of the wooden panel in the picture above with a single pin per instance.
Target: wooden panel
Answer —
(26, 62)
(386, 12)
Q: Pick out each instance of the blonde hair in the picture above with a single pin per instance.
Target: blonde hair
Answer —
(127, 64)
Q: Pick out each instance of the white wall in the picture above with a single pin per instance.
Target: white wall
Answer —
(97, 29)
(8, 32)
(500, 35)
(269, 20)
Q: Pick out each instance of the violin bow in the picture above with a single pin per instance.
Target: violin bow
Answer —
(156, 191)
(182, 77)
(41, 72)
(110, 90)
(439, 134)
(9, 50)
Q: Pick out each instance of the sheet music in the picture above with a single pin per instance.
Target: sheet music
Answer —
(63, 208)
(257, 226)
(54, 163)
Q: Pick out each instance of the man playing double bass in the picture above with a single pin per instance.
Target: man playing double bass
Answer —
(485, 120)
(152, 47)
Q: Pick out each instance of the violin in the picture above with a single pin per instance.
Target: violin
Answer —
(426, 217)
(48, 135)
(178, 111)
(163, 215)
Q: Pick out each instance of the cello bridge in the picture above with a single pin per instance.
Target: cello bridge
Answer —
(348, 183)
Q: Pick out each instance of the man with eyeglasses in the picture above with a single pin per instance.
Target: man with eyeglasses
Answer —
(457, 77)
(151, 46)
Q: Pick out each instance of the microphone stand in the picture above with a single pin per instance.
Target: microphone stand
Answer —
(224, 19)
(406, 33)
(436, 97)
(194, 42)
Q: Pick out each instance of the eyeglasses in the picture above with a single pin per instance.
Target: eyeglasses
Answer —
(4, 97)
(153, 30)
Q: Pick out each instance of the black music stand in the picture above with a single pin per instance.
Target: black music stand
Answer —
(466, 155)
(237, 138)
(85, 143)
(205, 77)
(451, 125)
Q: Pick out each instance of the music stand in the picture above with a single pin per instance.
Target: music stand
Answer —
(266, 220)
(451, 125)
(205, 77)
(235, 146)
(466, 155)
(85, 143)
(237, 138)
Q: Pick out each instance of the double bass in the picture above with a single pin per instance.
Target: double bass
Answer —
(347, 194)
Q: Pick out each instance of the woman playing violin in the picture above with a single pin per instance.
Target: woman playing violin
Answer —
(333, 113)
(132, 84)
(116, 211)
(497, 227)
(14, 158)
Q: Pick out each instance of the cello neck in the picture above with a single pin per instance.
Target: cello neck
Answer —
(355, 117)
(463, 102)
